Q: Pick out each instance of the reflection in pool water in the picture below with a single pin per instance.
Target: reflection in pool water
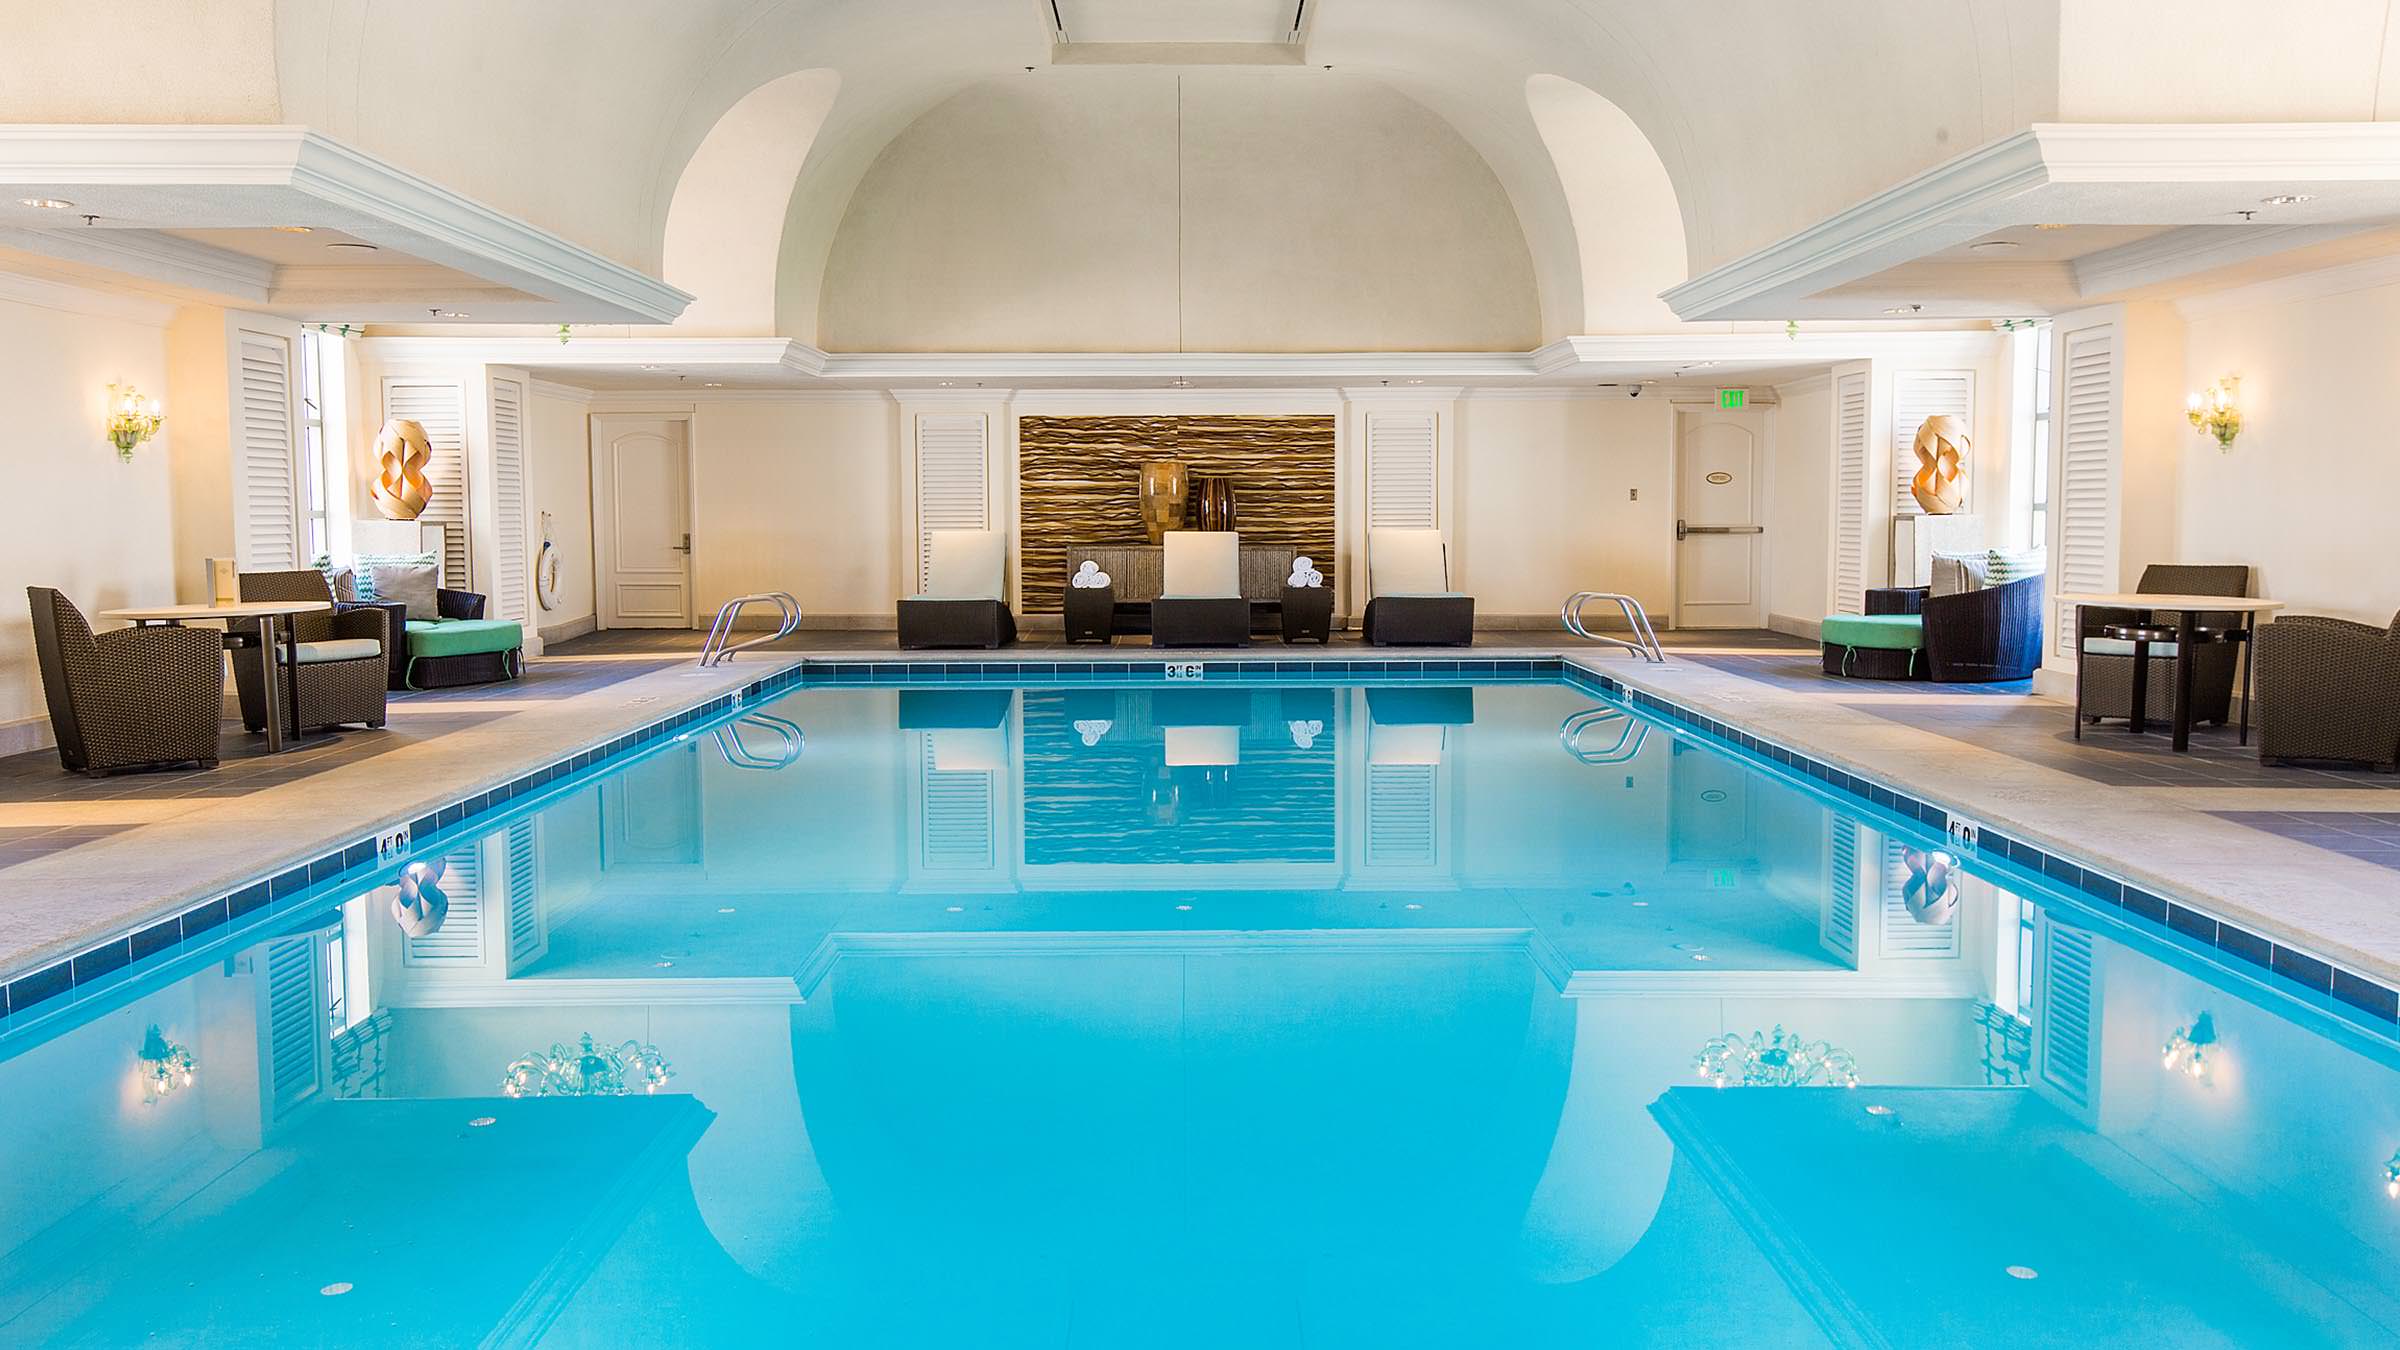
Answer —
(1231, 1015)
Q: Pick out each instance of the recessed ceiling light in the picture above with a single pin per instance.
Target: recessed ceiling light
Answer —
(1412, 905)
(650, 367)
(1905, 310)
(480, 1121)
(2287, 199)
(949, 384)
(1183, 909)
(2024, 1273)
(712, 384)
(957, 909)
(1879, 1109)
(45, 203)
(1994, 246)
(1416, 382)
(293, 229)
(451, 314)
(2049, 227)
(335, 1289)
(352, 245)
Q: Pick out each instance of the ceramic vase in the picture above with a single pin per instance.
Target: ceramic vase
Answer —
(1165, 484)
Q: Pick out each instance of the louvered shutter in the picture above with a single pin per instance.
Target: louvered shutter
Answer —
(1850, 493)
(527, 938)
(1917, 395)
(296, 1018)
(1401, 455)
(958, 831)
(266, 493)
(953, 479)
(1904, 938)
(460, 939)
(441, 407)
(509, 571)
(2083, 500)
(1838, 929)
(2065, 1013)
(1401, 829)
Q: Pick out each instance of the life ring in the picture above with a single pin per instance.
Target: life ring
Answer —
(545, 576)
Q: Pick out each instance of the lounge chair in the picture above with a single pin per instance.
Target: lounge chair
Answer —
(962, 605)
(1409, 600)
(1200, 602)
(2329, 689)
(344, 659)
(136, 698)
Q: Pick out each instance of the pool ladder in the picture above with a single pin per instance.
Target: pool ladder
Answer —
(714, 651)
(1631, 736)
(738, 752)
(1645, 638)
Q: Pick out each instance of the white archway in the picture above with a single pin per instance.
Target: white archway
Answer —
(1628, 227)
(725, 223)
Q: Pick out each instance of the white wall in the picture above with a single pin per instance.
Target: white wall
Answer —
(1543, 506)
(1800, 506)
(800, 495)
(559, 486)
(2305, 495)
(99, 530)
(1157, 210)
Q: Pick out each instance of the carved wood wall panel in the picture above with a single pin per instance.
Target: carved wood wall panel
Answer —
(1079, 482)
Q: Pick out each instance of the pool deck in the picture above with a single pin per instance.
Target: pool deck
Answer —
(2309, 857)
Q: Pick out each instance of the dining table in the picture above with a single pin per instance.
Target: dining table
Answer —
(2187, 610)
(257, 626)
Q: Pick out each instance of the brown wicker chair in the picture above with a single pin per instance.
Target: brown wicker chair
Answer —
(136, 698)
(2329, 689)
(2105, 682)
(332, 685)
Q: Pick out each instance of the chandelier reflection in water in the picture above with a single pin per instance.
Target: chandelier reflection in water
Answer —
(1774, 1060)
(588, 1071)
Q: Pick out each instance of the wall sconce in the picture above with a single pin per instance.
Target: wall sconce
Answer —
(132, 418)
(166, 1066)
(2188, 1049)
(2391, 1176)
(2216, 413)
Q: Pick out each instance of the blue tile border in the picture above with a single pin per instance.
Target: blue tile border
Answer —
(2369, 996)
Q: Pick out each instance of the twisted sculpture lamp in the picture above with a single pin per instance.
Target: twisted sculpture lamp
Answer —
(402, 451)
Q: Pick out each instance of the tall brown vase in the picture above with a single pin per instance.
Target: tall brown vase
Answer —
(1214, 502)
(1165, 483)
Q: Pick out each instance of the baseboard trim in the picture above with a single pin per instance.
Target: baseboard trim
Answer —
(568, 631)
(25, 735)
(1811, 629)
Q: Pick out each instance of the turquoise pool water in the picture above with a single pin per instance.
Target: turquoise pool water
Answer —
(1220, 1014)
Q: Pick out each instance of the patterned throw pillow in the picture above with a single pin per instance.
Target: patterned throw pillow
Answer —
(343, 580)
(364, 565)
(2005, 565)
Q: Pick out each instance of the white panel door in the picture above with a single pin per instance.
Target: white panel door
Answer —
(642, 525)
(1720, 580)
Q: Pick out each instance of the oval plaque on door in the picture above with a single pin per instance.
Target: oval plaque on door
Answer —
(1720, 478)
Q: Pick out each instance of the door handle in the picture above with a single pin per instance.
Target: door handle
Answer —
(1684, 529)
(686, 545)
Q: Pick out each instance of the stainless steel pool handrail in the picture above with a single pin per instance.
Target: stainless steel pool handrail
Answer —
(791, 741)
(1632, 735)
(1645, 638)
(715, 652)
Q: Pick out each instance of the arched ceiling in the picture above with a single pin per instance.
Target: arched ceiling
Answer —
(582, 118)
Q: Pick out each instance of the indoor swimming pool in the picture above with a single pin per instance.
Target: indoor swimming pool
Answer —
(1443, 1011)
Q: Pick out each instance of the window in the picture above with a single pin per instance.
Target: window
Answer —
(317, 351)
(2033, 347)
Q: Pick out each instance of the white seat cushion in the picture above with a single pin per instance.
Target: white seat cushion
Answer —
(2120, 647)
(966, 565)
(1203, 565)
(336, 649)
(1406, 562)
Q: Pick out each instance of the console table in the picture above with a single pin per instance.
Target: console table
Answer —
(1138, 575)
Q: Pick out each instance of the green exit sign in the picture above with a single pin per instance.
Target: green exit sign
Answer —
(1733, 400)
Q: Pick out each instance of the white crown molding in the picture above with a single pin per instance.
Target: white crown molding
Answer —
(2364, 275)
(563, 393)
(155, 256)
(2190, 250)
(290, 175)
(1806, 384)
(1138, 402)
(1327, 368)
(1382, 393)
(67, 298)
(2046, 173)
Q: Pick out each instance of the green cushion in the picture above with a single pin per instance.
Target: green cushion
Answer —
(1886, 632)
(463, 637)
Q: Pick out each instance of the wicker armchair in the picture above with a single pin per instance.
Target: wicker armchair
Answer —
(2329, 689)
(338, 679)
(2106, 678)
(136, 698)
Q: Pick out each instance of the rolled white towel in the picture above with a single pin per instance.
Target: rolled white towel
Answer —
(1088, 577)
(1315, 577)
(1303, 578)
